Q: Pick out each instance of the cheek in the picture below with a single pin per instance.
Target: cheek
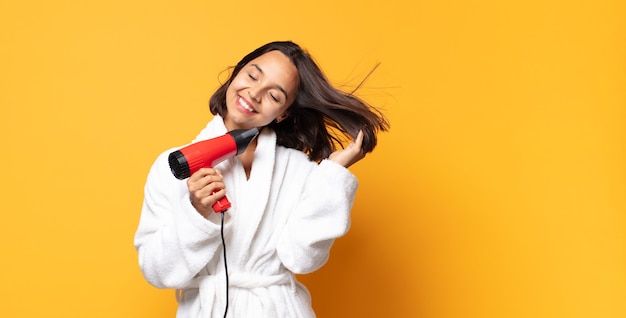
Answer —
(232, 88)
(237, 84)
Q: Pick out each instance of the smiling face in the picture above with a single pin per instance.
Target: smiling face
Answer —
(261, 92)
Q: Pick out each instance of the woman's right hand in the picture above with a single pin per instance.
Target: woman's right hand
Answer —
(206, 186)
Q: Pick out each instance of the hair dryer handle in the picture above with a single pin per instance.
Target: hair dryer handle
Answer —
(221, 205)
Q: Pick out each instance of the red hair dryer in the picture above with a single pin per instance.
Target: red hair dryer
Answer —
(208, 153)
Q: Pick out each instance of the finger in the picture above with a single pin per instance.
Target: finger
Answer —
(196, 185)
(358, 141)
(209, 189)
(205, 175)
(211, 178)
(209, 200)
(201, 173)
(355, 145)
(357, 150)
(203, 201)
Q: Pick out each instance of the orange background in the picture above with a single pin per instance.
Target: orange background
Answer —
(499, 192)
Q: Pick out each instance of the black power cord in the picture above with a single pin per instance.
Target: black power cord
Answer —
(225, 265)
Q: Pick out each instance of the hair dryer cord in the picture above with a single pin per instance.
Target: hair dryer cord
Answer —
(225, 263)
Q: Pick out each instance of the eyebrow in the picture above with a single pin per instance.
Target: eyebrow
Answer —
(278, 86)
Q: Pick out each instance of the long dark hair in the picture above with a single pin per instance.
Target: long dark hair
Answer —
(320, 113)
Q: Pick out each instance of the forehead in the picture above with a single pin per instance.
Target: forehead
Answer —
(276, 67)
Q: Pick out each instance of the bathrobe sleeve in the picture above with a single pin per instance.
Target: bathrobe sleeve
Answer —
(321, 215)
(174, 242)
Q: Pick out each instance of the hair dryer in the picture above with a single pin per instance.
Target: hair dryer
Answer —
(208, 153)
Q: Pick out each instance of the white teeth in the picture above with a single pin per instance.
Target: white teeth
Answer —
(245, 105)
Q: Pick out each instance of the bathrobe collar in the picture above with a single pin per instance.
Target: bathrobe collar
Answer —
(249, 197)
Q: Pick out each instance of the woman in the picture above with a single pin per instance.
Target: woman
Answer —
(291, 192)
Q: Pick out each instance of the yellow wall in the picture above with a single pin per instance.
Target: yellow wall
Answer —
(499, 192)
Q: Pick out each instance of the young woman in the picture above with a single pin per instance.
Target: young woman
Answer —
(291, 192)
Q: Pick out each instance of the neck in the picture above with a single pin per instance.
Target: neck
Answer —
(247, 156)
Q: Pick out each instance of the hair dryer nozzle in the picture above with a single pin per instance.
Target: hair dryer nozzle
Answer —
(179, 165)
(243, 137)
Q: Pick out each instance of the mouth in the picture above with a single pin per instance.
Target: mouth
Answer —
(244, 104)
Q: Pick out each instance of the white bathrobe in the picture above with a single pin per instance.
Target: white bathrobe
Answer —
(282, 222)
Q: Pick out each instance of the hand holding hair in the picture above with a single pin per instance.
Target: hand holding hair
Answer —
(351, 154)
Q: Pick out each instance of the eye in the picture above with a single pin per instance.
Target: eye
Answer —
(274, 97)
(252, 76)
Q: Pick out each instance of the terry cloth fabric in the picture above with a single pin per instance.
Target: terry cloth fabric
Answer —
(283, 221)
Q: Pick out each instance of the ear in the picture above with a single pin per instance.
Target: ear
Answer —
(282, 117)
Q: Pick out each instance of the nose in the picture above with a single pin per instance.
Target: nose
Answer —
(254, 95)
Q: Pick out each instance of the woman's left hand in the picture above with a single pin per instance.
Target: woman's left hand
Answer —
(351, 154)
